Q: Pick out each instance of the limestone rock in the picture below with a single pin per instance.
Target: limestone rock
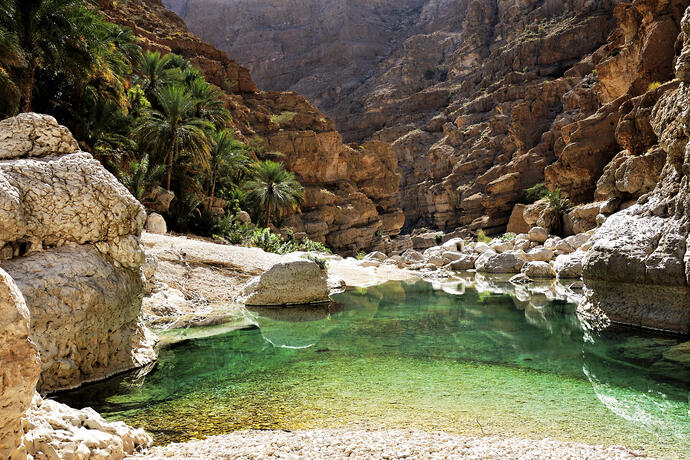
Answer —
(156, 224)
(538, 270)
(466, 262)
(65, 199)
(506, 262)
(58, 431)
(34, 135)
(538, 234)
(243, 217)
(84, 315)
(292, 282)
(540, 254)
(76, 255)
(159, 199)
(569, 265)
(19, 370)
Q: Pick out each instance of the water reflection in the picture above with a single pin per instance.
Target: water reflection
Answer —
(524, 344)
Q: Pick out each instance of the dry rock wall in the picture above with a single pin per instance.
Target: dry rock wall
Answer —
(69, 238)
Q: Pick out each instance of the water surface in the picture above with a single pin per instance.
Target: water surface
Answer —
(408, 355)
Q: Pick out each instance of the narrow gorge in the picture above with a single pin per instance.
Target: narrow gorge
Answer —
(344, 229)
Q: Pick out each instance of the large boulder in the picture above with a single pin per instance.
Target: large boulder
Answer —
(569, 265)
(506, 262)
(85, 315)
(65, 217)
(292, 282)
(19, 368)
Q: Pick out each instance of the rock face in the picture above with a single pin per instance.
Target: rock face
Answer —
(19, 369)
(293, 282)
(63, 216)
(639, 265)
(350, 190)
(480, 99)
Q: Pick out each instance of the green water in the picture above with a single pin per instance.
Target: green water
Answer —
(407, 355)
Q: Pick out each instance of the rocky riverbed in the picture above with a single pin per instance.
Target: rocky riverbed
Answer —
(391, 444)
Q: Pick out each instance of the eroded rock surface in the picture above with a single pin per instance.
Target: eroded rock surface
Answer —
(350, 190)
(19, 368)
(69, 234)
(291, 282)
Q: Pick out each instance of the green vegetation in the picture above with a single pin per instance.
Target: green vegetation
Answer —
(284, 118)
(535, 193)
(654, 85)
(361, 255)
(322, 262)
(482, 238)
(270, 242)
(508, 236)
(151, 118)
(274, 190)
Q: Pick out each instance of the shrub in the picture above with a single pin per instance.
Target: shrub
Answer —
(558, 203)
(482, 238)
(438, 238)
(508, 236)
(361, 255)
(535, 193)
(320, 261)
(270, 242)
(654, 85)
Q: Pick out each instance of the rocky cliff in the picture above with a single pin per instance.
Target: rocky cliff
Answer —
(480, 99)
(350, 189)
(638, 269)
(69, 239)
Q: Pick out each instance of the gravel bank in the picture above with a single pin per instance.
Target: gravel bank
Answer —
(391, 444)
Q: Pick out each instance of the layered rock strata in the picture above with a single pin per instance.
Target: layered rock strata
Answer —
(350, 201)
(479, 99)
(69, 238)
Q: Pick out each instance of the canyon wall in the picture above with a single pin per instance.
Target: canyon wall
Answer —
(349, 188)
(480, 99)
(638, 270)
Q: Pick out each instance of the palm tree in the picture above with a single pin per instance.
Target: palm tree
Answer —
(275, 190)
(154, 71)
(59, 34)
(227, 155)
(210, 103)
(140, 176)
(10, 56)
(174, 129)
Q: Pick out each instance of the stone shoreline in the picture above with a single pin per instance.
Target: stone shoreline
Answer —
(388, 444)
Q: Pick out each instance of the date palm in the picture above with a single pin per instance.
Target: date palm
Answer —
(173, 129)
(154, 71)
(274, 190)
(228, 156)
(10, 56)
(140, 176)
(50, 34)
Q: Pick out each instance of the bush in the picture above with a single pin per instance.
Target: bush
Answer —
(558, 203)
(320, 261)
(482, 238)
(508, 236)
(361, 255)
(438, 238)
(270, 242)
(654, 85)
(535, 193)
